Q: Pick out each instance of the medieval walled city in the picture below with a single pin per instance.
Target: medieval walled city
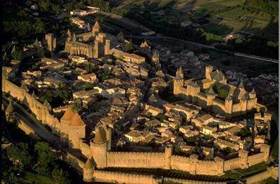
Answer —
(126, 119)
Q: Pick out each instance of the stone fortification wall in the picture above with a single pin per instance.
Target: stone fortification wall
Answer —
(40, 110)
(185, 181)
(232, 164)
(131, 159)
(218, 106)
(135, 159)
(257, 178)
(25, 128)
(42, 113)
(228, 106)
(255, 159)
(195, 166)
(236, 107)
(118, 177)
(188, 164)
(215, 167)
(183, 163)
(85, 149)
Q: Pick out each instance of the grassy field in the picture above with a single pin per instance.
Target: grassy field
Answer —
(225, 16)
(235, 17)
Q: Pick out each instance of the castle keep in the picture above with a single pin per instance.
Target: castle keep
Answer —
(227, 100)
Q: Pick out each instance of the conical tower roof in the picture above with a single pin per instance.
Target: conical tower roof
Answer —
(69, 32)
(89, 164)
(74, 37)
(33, 94)
(47, 104)
(96, 27)
(10, 107)
(100, 135)
(241, 85)
(211, 91)
(229, 97)
(144, 44)
(72, 117)
(180, 73)
(245, 96)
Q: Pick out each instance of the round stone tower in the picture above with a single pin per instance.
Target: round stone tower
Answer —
(99, 147)
(208, 71)
(88, 170)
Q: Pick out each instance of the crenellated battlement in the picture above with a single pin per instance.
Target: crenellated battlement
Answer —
(237, 100)
(72, 127)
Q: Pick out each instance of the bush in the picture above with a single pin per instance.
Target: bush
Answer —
(244, 132)
(21, 153)
(221, 90)
(45, 158)
(60, 177)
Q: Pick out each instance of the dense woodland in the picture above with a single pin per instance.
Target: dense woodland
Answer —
(27, 160)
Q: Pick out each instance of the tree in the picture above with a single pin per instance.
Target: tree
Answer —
(47, 96)
(78, 104)
(45, 158)
(5, 57)
(39, 26)
(44, 5)
(60, 177)
(21, 153)
(244, 132)
(16, 53)
(120, 37)
(89, 67)
(128, 46)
